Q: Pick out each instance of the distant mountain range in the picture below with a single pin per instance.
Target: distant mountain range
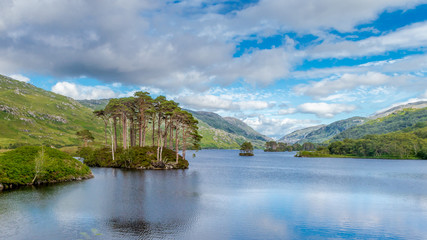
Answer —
(390, 120)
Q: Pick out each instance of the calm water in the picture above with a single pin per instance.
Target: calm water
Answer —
(224, 196)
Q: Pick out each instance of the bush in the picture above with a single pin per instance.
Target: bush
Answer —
(134, 157)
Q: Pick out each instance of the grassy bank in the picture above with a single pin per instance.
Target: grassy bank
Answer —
(35, 165)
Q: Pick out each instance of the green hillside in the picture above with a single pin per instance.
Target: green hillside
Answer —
(214, 138)
(320, 134)
(299, 135)
(394, 121)
(229, 125)
(95, 104)
(31, 115)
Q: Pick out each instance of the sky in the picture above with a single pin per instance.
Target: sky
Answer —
(278, 65)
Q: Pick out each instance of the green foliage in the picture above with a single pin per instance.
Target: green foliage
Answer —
(134, 157)
(19, 166)
(406, 118)
(246, 149)
(396, 145)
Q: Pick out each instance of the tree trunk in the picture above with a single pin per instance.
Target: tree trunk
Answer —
(115, 133)
(140, 131)
(184, 142)
(154, 132)
(171, 135)
(176, 145)
(124, 130)
(159, 122)
(144, 132)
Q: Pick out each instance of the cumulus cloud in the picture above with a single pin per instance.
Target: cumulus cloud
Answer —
(345, 82)
(412, 36)
(287, 111)
(325, 110)
(215, 103)
(180, 45)
(312, 15)
(276, 127)
(20, 77)
(80, 92)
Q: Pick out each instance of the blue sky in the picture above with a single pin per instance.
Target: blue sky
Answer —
(277, 65)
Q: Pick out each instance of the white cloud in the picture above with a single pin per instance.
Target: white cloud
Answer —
(345, 82)
(325, 110)
(275, 127)
(314, 15)
(20, 77)
(261, 67)
(413, 36)
(216, 103)
(287, 111)
(80, 92)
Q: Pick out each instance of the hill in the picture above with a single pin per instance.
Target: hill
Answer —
(299, 135)
(394, 121)
(325, 132)
(385, 113)
(95, 104)
(31, 115)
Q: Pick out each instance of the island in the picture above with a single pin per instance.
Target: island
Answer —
(246, 149)
(35, 165)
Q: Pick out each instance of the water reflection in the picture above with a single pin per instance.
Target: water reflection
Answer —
(224, 196)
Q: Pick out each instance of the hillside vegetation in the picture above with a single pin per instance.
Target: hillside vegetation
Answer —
(409, 143)
(31, 115)
(31, 164)
(229, 125)
(395, 121)
(320, 134)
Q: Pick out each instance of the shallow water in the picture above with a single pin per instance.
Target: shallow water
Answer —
(224, 196)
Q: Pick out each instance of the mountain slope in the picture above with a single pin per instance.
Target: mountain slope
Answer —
(229, 125)
(385, 113)
(395, 121)
(326, 132)
(95, 104)
(299, 135)
(31, 115)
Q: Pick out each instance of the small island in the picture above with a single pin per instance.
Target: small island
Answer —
(246, 149)
(35, 165)
(141, 132)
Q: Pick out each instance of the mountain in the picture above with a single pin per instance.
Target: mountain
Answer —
(384, 113)
(325, 132)
(95, 104)
(299, 135)
(398, 119)
(228, 124)
(31, 115)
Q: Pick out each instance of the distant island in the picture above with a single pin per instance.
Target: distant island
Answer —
(246, 149)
